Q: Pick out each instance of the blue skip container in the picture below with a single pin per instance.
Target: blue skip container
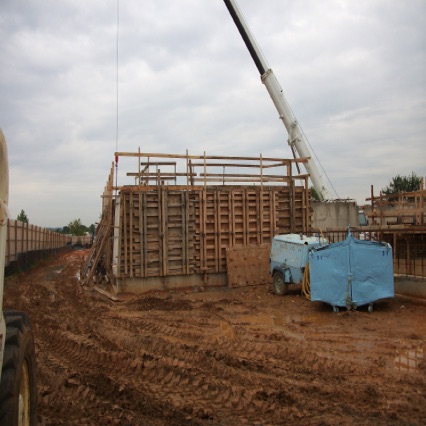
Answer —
(351, 273)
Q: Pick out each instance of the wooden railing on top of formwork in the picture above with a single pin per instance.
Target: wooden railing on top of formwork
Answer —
(397, 209)
(162, 169)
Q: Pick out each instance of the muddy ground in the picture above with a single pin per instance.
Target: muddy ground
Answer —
(220, 357)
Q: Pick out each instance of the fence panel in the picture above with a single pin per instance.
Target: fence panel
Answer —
(24, 238)
(408, 246)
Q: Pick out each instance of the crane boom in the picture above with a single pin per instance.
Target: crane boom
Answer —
(296, 137)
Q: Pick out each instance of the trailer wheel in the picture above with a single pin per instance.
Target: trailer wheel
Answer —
(279, 286)
(18, 391)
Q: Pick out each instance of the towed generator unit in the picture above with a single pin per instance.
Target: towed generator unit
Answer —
(288, 259)
(351, 273)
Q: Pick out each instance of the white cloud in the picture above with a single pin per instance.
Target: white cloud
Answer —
(353, 72)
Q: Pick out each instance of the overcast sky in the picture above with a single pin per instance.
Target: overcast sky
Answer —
(353, 71)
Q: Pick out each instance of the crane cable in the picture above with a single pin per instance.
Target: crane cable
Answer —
(116, 84)
(313, 152)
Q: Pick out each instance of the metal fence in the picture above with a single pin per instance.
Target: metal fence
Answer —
(408, 245)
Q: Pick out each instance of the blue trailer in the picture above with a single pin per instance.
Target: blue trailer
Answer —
(351, 273)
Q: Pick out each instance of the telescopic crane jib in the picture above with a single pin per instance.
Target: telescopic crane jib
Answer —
(296, 137)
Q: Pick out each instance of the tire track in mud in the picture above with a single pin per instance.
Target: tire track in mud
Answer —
(80, 373)
(179, 377)
(175, 377)
(251, 358)
(158, 360)
(178, 371)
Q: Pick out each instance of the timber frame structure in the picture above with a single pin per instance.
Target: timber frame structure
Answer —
(176, 224)
(403, 208)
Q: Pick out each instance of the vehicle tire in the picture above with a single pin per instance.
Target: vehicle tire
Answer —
(279, 286)
(18, 390)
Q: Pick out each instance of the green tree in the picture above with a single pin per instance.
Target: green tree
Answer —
(77, 228)
(22, 217)
(400, 184)
(314, 194)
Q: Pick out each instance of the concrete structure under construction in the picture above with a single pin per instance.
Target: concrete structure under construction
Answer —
(185, 219)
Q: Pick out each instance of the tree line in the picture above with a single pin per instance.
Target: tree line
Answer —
(75, 227)
(397, 184)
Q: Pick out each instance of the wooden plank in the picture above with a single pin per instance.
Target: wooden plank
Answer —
(131, 210)
(163, 175)
(125, 235)
(158, 163)
(208, 157)
(260, 215)
(165, 229)
(232, 220)
(184, 239)
(258, 177)
(145, 232)
(248, 265)
(141, 236)
(245, 218)
(220, 178)
(120, 237)
(203, 230)
(236, 165)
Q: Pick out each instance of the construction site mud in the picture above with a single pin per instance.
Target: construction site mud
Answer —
(228, 356)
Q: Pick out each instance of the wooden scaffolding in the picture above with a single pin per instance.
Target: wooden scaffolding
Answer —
(174, 228)
(403, 208)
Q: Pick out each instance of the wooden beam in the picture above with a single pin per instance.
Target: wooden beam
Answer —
(158, 163)
(207, 157)
(155, 175)
(253, 166)
(257, 176)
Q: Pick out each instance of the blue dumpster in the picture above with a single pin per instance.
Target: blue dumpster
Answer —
(351, 273)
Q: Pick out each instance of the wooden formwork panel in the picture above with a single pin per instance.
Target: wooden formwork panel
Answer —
(248, 265)
(155, 232)
(166, 231)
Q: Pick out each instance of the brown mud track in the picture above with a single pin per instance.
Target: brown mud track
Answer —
(218, 357)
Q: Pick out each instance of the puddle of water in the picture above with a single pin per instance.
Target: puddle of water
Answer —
(409, 361)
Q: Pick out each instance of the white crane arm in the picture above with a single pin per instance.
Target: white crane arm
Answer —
(296, 137)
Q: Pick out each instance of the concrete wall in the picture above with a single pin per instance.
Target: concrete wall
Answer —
(335, 214)
(411, 286)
